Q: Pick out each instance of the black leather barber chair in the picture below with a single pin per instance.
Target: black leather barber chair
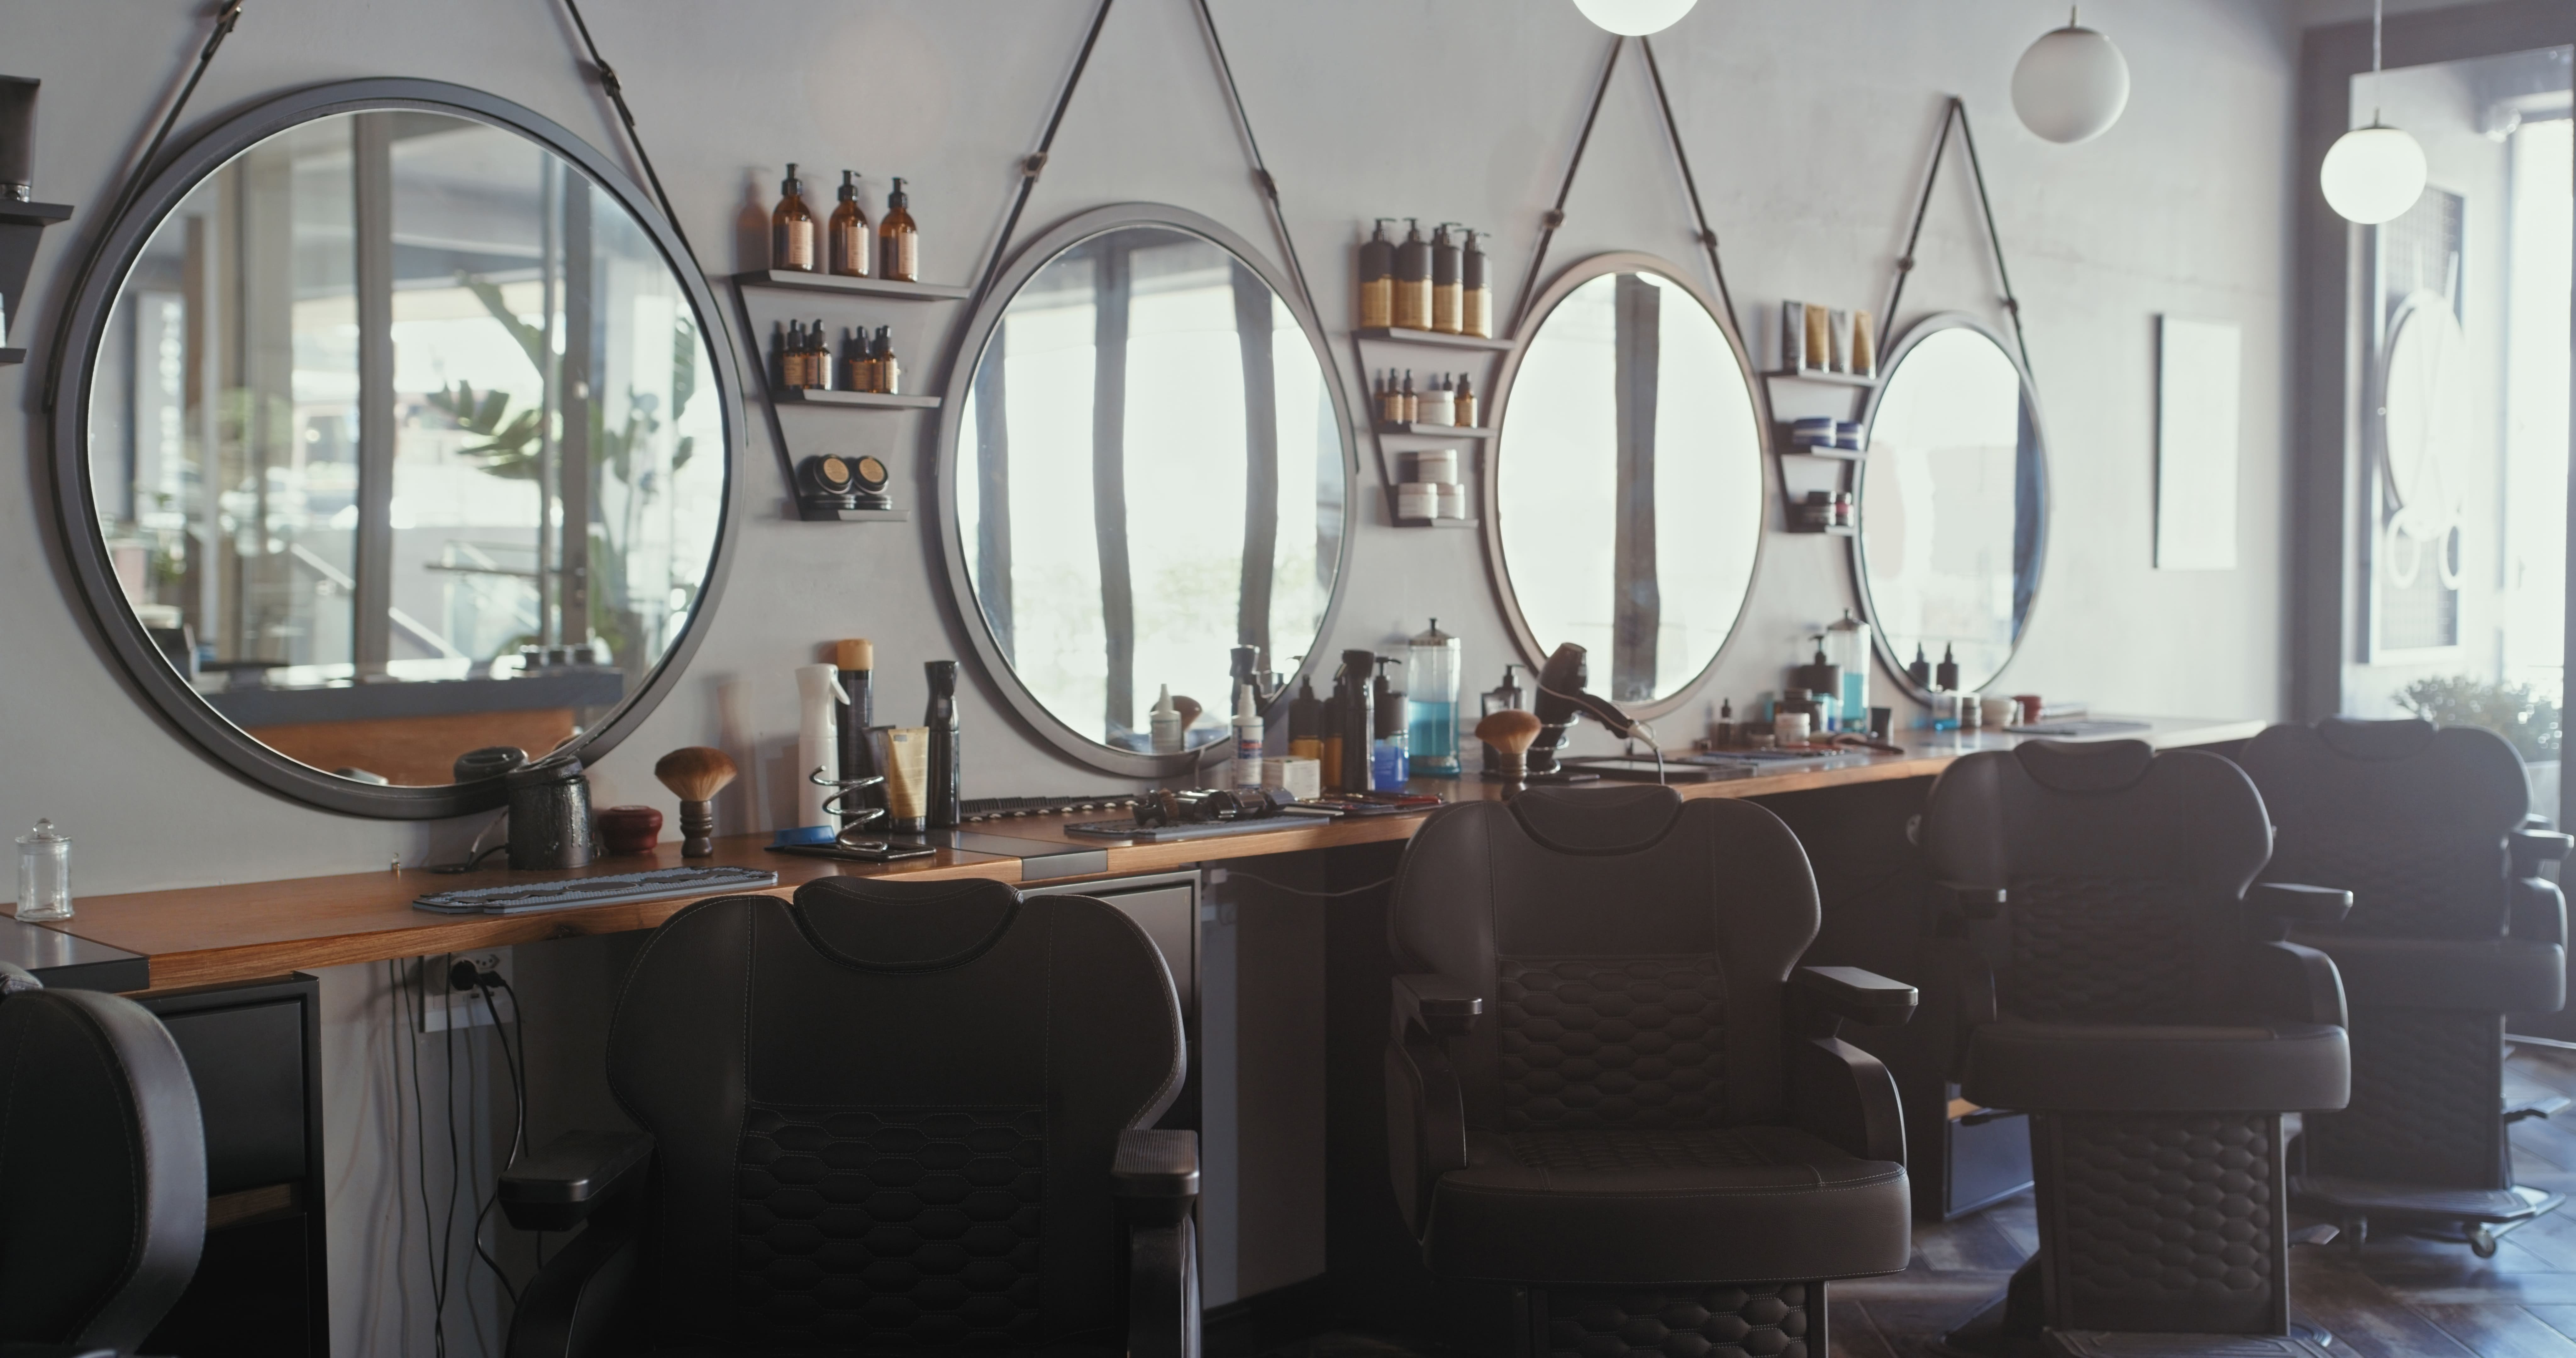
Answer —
(1613, 1091)
(2451, 929)
(2127, 991)
(102, 1171)
(883, 1117)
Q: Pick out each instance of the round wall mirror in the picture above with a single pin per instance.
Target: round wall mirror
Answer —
(1953, 501)
(1146, 471)
(1627, 479)
(396, 433)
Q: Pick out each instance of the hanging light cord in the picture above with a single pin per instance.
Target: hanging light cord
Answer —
(1556, 215)
(1035, 164)
(225, 19)
(1957, 114)
(1260, 171)
(617, 95)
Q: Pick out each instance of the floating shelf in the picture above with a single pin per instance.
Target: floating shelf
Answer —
(22, 228)
(798, 509)
(865, 400)
(15, 213)
(1820, 375)
(1833, 531)
(1433, 431)
(1433, 338)
(886, 288)
(1788, 449)
(1436, 523)
(13, 356)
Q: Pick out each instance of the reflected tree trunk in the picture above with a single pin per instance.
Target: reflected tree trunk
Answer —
(993, 488)
(1252, 327)
(1109, 484)
(1638, 608)
(372, 181)
(580, 397)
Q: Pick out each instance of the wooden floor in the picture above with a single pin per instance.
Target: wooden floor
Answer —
(2401, 1298)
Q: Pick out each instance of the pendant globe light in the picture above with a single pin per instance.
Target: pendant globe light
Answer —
(2071, 85)
(2373, 174)
(1635, 18)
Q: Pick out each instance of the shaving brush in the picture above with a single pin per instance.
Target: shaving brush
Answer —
(1511, 732)
(696, 774)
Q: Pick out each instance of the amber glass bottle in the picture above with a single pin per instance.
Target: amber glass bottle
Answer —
(791, 227)
(851, 240)
(1413, 279)
(898, 240)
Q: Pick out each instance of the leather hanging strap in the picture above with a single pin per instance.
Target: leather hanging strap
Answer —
(1690, 182)
(1260, 172)
(1956, 115)
(608, 81)
(1035, 163)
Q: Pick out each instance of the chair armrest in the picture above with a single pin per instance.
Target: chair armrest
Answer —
(1155, 1173)
(2295, 982)
(1967, 901)
(1162, 1258)
(2293, 903)
(1863, 997)
(2536, 911)
(560, 1186)
(1426, 1117)
(1845, 1095)
(1437, 1005)
(582, 1303)
(2531, 848)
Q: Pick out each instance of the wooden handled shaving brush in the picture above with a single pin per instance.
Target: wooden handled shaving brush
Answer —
(696, 774)
(1511, 732)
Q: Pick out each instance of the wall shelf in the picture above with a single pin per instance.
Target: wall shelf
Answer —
(22, 229)
(1432, 431)
(13, 356)
(862, 400)
(886, 289)
(1432, 339)
(1843, 530)
(1438, 523)
(798, 509)
(1789, 449)
(1820, 375)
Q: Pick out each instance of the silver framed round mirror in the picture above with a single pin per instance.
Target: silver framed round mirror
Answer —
(1953, 501)
(1627, 487)
(388, 429)
(1144, 467)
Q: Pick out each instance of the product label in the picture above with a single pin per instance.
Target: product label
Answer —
(794, 246)
(906, 261)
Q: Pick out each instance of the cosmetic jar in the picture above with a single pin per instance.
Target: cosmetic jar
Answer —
(1436, 466)
(44, 873)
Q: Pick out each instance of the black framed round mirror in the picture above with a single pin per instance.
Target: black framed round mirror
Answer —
(1144, 466)
(389, 426)
(1627, 488)
(1953, 501)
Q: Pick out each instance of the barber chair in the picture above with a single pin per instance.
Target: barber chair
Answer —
(883, 1117)
(2120, 984)
(102, 1171)
(2452, 928)
(1612, 1091)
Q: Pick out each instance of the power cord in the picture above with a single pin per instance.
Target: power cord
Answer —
(466, 976)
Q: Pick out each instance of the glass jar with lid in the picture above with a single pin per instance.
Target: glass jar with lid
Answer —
(1431, 682)
(44, 873)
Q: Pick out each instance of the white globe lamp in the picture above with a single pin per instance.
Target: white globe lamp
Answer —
(2372, 174)
(1635, 18)
(2071, 85)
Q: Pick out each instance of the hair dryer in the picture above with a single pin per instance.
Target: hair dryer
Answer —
(1562, 701)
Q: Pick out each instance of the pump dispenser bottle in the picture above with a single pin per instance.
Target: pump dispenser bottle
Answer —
(1377, 279)
(1413, 279)
(791, 227)
(849, 235)
(1306, 723)
(898, 240)
(1476, 293)
(1946, 674)
(1921, 670)
(1446, 304)
(947, 745)
(889, 370)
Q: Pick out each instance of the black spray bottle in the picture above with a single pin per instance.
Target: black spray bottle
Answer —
(947, 750)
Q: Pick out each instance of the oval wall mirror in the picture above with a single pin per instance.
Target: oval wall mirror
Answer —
(1145, 468)
(1627, 486)
(393, 431)
(1953, 501)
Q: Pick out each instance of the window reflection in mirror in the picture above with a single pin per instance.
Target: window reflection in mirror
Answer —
(1150, 474)
(404, 441)
(1950, 504)
(1629, 483)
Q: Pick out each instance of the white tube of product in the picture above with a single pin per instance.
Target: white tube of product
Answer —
(818, 696)
(1247, 739)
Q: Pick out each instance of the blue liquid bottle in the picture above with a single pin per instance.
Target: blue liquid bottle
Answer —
(1431, 683)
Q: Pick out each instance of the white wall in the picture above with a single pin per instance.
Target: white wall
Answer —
(1809, 124)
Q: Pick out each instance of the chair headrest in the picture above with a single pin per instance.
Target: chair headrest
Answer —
(1597, 820)
(2085, 765)
(905, 926)
(2354, 738)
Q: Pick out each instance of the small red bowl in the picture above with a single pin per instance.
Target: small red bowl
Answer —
(630, 829)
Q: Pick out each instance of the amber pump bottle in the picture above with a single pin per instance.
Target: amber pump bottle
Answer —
(898, 240)
(850, 238)
(1445, 301)
(1413, 279)
(1476, 293)
(1377, 279)
(791, 227)
(1466, 402)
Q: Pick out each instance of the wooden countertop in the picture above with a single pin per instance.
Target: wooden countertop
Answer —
(208, 935)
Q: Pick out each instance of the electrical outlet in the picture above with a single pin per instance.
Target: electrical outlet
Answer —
(445, 1007)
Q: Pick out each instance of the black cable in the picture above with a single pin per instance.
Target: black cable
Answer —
(1994, 238)
(1957, 112)
(617, 95)
(1556, 215)
(1261, 176)
(1690, 182)
(1036, 163)
(519, 1130)
(455, 1171)
(225, 19)
(412, 1021)
(1232, 873)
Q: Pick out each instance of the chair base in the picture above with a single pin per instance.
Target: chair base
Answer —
(1988, 1334)
(2476, 1217)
